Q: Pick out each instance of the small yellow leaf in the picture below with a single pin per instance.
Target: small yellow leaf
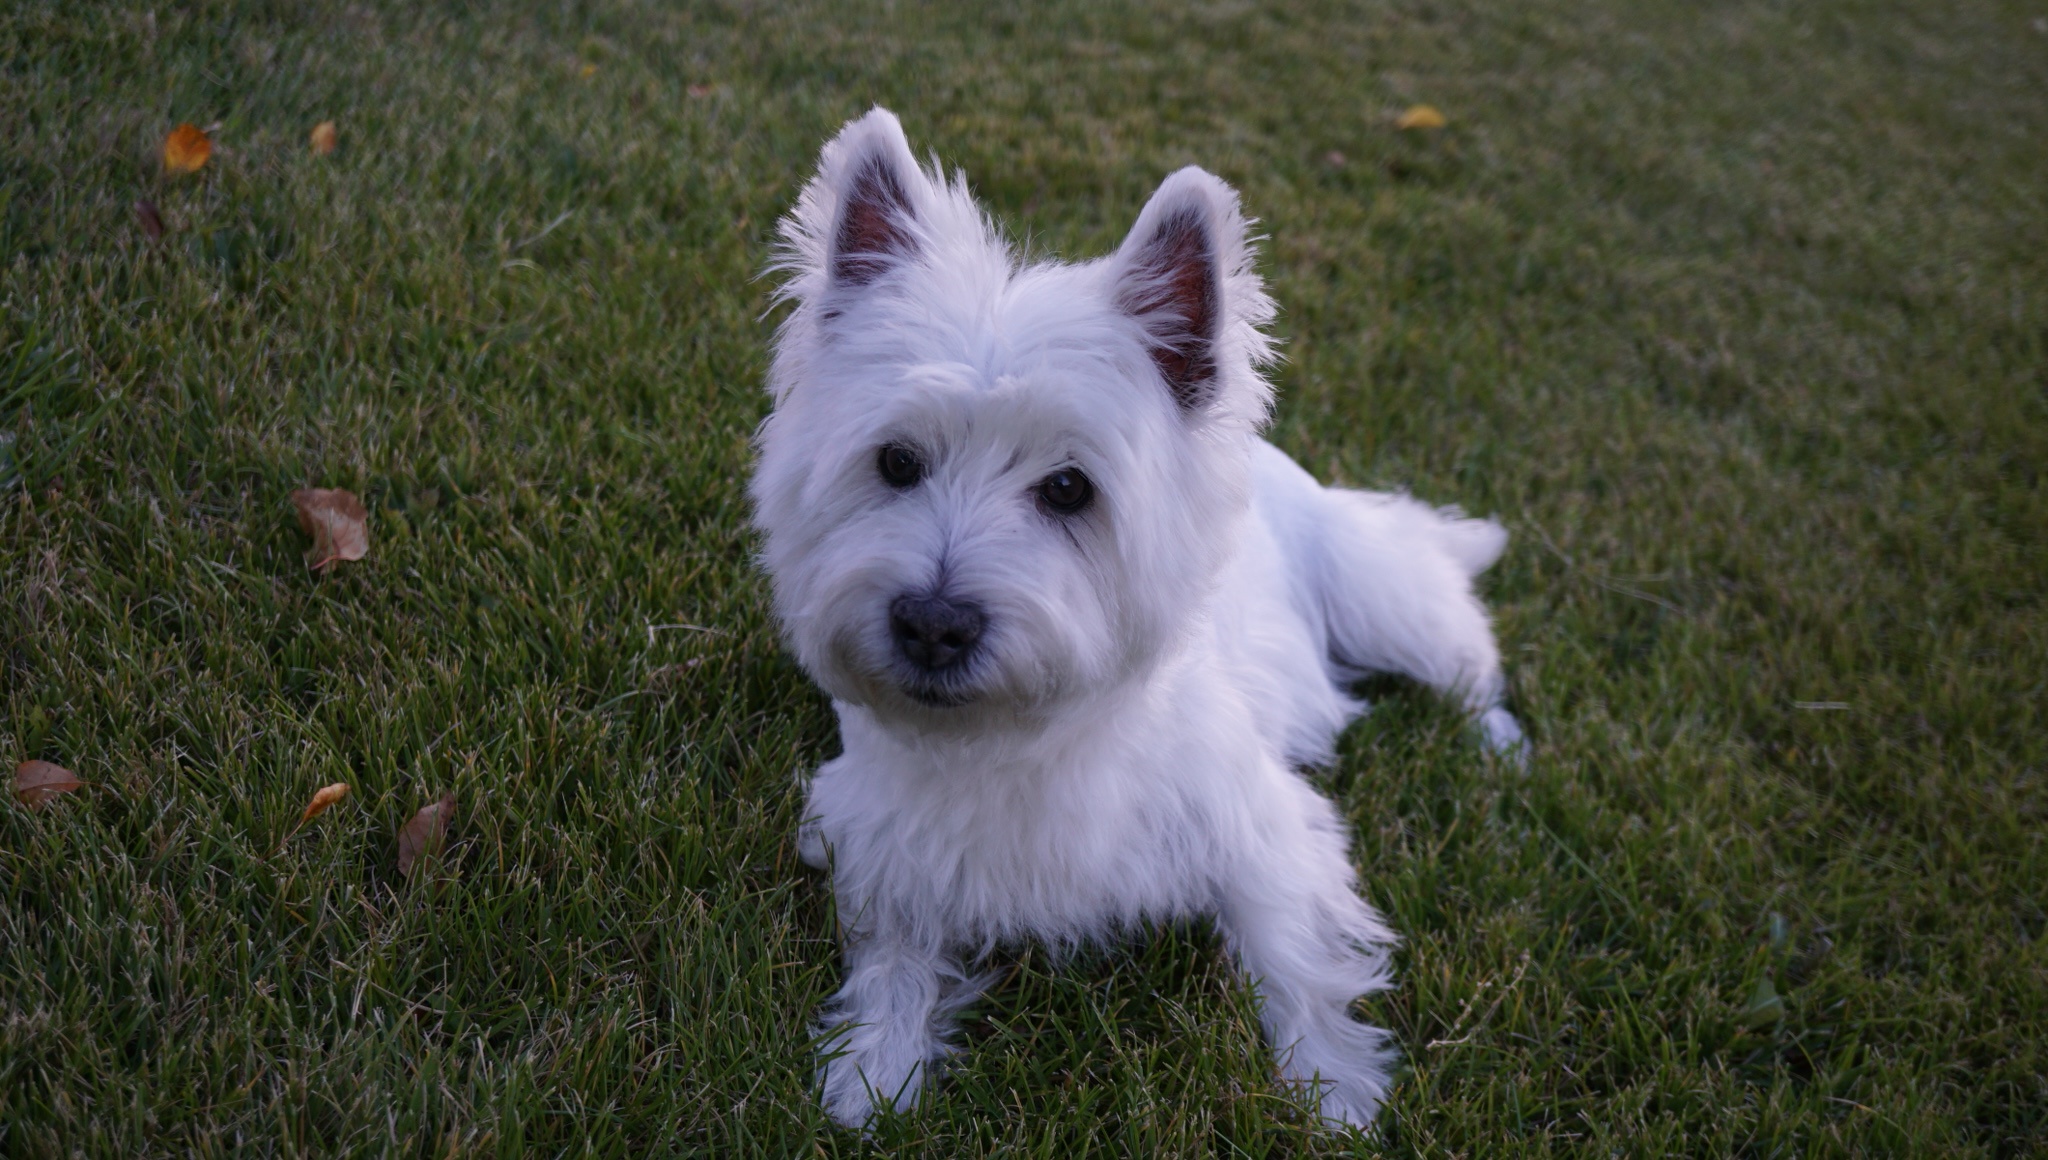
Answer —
(186, 149)
(326, 796)
(1421, 117)
(324, 138)
(337, 521)
(589, 70)
(36, 782)
(423, 836)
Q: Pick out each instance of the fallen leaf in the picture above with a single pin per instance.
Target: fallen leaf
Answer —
(325, 796)
(1420, 117)
(423, 835)
(186, 149)
(1781, 933)
(336, 521)
(701, 91)
(324, 138)
(589, 70)
(1765, 1006)
(36, 782)
(152, 222)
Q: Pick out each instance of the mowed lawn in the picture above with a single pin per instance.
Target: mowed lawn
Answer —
(1736, 314)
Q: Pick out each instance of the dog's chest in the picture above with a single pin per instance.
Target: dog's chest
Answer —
(1015, 853)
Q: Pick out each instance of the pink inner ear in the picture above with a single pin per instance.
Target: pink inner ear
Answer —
(871, 226)
(1175, 293)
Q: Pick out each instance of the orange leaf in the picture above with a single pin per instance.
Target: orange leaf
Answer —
(423, 836)
(326, 796)
(336, 521)
(1421, 117)
(186, 149)
(324, 138)
(36, 782)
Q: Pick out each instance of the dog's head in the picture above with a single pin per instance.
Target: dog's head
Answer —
(990, 485)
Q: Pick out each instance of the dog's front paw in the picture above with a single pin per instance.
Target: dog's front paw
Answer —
(855, 1087)
(1345, 1068)
(810, 845)
(1504, 735)
(884, 1034)
(846, 1095)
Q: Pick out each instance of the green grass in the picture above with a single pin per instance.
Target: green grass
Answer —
(1736, 314)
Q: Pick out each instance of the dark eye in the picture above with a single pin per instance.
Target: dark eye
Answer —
(900, 466)
(1066, 491)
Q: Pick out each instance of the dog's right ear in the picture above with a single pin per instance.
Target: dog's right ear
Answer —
(867, 211)
(871, 183)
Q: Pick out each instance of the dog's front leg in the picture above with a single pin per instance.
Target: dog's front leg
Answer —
(887, 1025)
(1311, 946)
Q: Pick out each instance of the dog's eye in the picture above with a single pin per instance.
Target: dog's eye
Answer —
(1066, 491)
(900, 466)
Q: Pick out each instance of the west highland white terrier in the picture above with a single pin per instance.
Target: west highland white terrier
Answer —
(1081, 625)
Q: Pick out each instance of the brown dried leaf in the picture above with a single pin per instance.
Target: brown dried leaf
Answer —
(324, 138)
(149, 219)
(423, 836)
(186, 149)
(36, 782)
(336, 520)
(1421, 117)
(326, 796)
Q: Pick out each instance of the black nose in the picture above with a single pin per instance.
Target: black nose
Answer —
(933, 632)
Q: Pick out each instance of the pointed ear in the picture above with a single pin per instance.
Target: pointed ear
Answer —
(868, 172)
(1172, 273)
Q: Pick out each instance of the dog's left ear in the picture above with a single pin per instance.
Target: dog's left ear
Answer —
(1173, 274)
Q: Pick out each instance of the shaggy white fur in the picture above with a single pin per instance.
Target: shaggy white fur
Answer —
(1081, 625)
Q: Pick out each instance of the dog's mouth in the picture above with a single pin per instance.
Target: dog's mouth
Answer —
(936, 694)
(886, 679)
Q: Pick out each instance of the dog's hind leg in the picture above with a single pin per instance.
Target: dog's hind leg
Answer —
(1394, 578)
(888, 1025)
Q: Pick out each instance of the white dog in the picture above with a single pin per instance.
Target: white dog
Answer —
(1080, 624)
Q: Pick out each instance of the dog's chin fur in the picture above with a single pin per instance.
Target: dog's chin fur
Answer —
(1121, 742)
(938, 697)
